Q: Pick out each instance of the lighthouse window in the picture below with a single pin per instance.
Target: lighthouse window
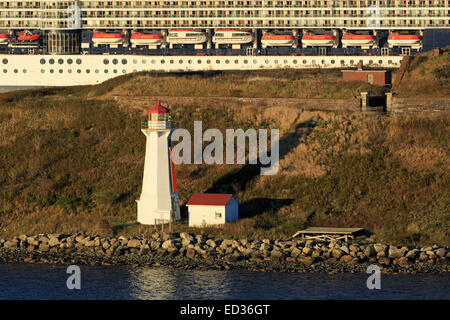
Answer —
(105, 61)
(5, 61)
(60, 61)
(115, 61)
(42, 61)
(124, 61)
(78, 61)
(69, 61)
(51, 61)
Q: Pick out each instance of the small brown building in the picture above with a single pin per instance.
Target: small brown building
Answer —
(375, 77)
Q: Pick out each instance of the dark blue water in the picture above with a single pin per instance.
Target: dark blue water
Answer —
(29, 281)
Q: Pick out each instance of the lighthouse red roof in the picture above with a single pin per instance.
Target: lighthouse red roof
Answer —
(158, 109)
(209, 199)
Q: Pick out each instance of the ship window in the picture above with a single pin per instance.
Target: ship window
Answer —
(69, 71)
(314, 62)
(106, 70)
(380, 61)
(285, 62)
(97, 71)
(236, 61)
(60, 61)
(390, 61)
(42, 61)
(333, 62)
(171, 61)
(115, 61)
(134, 61)
(189, 61)
(255, 61)
(51, 61)
(124, 71)
(60, 71)
(304, 61)
(134, 70)
(370, 61)
(275, 61)
(208, 61)
(219, 34)
(352, 62)
(227, 61)
(42, 71)
(5, 71)
(124, 61)
(5, 61)
(115, 70)
(105, 61)
(78, 61)
(218, 61)
(323, 61)
(163, 61)
(342, 62)
(15, 70)
(144, 61)
(78, 71)
(88, 71)
(199, 61)
(24, 70)
(153, 61)
(245, 61)
(69, 61)
(295, 61)
(51, 70)
(180, 62)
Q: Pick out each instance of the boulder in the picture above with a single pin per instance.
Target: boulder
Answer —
(11, 244)
(90, 243)
(337, 253)
(370, 251)
(307, 251)
(134, 243)
(441, 252)
(384, 261)
(211, 243)
(53, 242)
(412, 254)
(167, 244)
(380, 247)
(306, 260)
(295, 252)
(44, 247)
(395, 252)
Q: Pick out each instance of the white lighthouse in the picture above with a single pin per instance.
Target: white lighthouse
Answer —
(159, 200)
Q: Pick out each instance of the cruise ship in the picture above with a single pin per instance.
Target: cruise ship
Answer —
(52, 43)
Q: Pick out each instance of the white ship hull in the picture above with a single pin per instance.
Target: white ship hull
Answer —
(68, 70)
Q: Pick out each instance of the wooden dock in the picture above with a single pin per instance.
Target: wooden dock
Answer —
(326, 233)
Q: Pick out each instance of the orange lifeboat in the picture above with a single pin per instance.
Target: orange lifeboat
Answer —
(277, 40)
(365, 41)
(107, 38)
(27, 36)
(405, 40)
(141, 39)
(4, 37)
(318, 40)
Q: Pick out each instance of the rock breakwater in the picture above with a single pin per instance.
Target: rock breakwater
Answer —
(188, 251)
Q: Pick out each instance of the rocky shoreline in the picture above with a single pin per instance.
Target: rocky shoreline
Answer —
(187, 251)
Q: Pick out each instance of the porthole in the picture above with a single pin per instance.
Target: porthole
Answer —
(60, 71)
(5, 61)
(124, 61)
(190, 61)
(255, 61)
(342, 62)
(15, 70)
(208, 61)
(78, 71)
(218, 61)
(78, 61)
(227, 61)
(69, 71)
(97, 71)
(134, 61)
(115, 61)
(153, 61)
(144, 61)
(5, 71)
(69, 61)
(352, 62)
(163, 61)
(333, 62)
(134, 70)
(285, 62)
(199, 61)
(380, 61)
(266, 62)
(295, 61)
(236, 61)
(42, 71)
(313, 62)
(60, 61)
(245, 61)
(105, 61)
(51, 61)
(124, 71)
(370, 61)
(106, 70)
(390, 61)
(323, 61)
(115, 70)
(171, 61)
(24, 70)
(42, 61)
(52, 71)
(275, 61)
(304, 61)
(88, 71)
(180, 62)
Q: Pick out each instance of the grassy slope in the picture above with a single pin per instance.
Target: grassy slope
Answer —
(69, 162)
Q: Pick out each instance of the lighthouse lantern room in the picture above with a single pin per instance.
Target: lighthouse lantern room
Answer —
(159, 200)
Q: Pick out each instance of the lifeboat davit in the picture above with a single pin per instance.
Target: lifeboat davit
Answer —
(277, 40)
(27, 36)
(183, 36)
(405, 40)
(365, 41)
(4, 38)
(143, 39)
(107, 38)
(319, 40)
(231, 36)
